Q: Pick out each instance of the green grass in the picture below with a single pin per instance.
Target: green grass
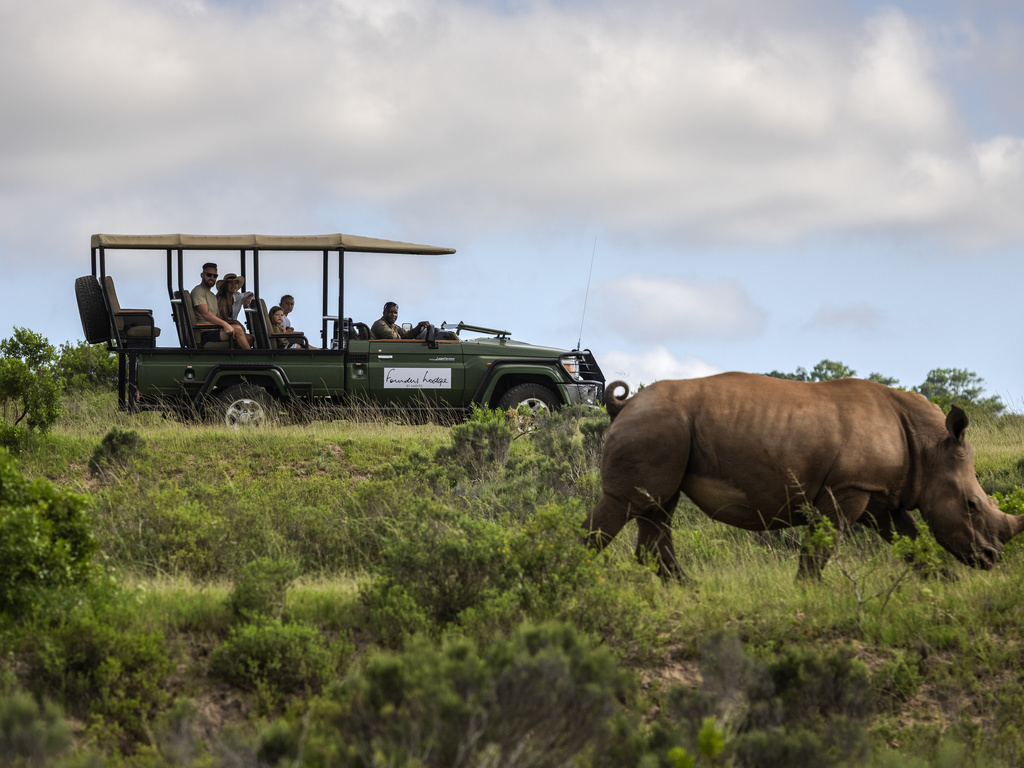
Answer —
(404, 546)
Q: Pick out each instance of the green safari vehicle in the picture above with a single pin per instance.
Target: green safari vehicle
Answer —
(449, 368)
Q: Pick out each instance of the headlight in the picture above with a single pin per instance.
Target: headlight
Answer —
(572, 366)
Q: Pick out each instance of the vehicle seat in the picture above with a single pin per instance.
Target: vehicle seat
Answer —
(260, 327)
(357, 331)
(190, 330)
(132, 327)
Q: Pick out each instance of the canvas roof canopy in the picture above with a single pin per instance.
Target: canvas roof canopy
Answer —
(336, 242)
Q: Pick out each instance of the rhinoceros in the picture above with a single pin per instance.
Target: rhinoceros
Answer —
(756, 452)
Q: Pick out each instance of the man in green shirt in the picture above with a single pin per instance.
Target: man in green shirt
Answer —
(388, 328)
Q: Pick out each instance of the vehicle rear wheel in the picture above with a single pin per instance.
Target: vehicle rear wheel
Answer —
(535, 397)
(92, 310)
(245, 405)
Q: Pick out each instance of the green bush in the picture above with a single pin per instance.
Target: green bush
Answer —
(115, 452)
(801, 707)
(261, 589)
(544, 697)
(86, 366)
(31, 734)
(446, 561)
(389, 615)
(46, 538)
(99, 663)
(284, 658)
(480, 445)
(29, 390)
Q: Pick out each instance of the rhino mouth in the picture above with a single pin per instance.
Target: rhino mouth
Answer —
(980, 557)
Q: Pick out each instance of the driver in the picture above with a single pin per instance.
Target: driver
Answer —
(387, 327)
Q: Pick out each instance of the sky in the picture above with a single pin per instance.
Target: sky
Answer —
(682, 186)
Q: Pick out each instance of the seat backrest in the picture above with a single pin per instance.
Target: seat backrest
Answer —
(184, 319)
(115, 306)
(261, 325)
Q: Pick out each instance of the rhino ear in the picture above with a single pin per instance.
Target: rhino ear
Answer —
(956, 423)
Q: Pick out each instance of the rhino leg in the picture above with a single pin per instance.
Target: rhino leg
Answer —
(841, 509)
(888, 524)
(604, 521)
(654, 537)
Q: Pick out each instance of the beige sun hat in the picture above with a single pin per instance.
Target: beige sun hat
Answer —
(231, 276)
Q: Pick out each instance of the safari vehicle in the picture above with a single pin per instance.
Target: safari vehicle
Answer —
(451, 368)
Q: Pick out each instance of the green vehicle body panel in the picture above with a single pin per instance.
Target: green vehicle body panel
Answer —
(395, 374)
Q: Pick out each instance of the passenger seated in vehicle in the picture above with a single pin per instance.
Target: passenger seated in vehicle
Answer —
(230, 301)
(276, 318)
(387, 327)
(204, 301)
(287, 304)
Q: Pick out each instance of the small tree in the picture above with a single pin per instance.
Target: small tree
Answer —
(945, 386)
(87, 366)
(799, 375)
(29, 390)
(827, 370)
(887, 380)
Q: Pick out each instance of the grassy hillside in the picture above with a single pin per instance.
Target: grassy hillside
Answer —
(372, 593)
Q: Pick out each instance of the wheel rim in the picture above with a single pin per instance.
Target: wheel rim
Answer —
(523, 422)
(535, 405)
(245, 412)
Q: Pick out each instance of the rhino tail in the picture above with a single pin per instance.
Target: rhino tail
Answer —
(612, 402)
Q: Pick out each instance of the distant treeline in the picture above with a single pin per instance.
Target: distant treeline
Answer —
(943, 386)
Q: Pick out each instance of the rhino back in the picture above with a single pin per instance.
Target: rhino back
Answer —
(750, 449)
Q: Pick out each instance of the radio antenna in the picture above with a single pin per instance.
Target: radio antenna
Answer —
(579, 343)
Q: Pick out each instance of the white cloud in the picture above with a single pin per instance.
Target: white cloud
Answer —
(649, 307)
(641, 116)
(656, 364)
(859, 317)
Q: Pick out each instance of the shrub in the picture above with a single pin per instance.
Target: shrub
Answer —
(115, 452)
(543, 697)
(284, 658)
(801, 708)
(260, 590)
(86, 366)
(480, 445)
(593, 430)
(29, 390)
(446, 562)
(46, 538)
(99, 663)
(30, 733)
(922, 553)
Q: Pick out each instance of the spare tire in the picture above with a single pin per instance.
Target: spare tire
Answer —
(92, 309)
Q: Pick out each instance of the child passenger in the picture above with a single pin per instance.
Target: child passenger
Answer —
(277, 326)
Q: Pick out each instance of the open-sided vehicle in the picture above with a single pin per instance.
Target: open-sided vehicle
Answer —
(446, 369)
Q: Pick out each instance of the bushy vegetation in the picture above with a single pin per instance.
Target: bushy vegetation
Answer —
(46, 539)
(366, 593)
(30, 388)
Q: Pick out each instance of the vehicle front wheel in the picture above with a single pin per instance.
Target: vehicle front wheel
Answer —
(535, 397)
(244, 405)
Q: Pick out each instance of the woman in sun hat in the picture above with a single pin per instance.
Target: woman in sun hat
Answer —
(229, 299)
